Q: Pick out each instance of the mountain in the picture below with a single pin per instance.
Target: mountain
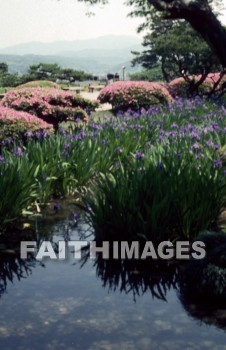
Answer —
(106, 54)
(108, 42)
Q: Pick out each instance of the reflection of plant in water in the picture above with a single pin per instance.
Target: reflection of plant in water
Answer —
(203, 312)
(205, 279)
(136, 276)
(202, 283)
(13, 267)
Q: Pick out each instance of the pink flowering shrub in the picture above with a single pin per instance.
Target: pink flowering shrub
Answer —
(17, 125)
(123, 95)
(180, 88)
(52, 105)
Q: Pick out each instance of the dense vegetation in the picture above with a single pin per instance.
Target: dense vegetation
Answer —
(153, 174)
(52, 105)
(134, 95)
(51, 72)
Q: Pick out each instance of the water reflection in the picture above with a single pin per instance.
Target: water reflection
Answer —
(140, 277)
(11, 268)
(64, 307)
(137, 277)
(128, 276)
(205, 313)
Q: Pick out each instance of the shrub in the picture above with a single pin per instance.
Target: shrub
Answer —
(134, 95)
(39, 83)
(80, 113)
(17, 126)
(52, 105)
(181, 88)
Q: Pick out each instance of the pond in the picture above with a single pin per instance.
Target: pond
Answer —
(63, 305)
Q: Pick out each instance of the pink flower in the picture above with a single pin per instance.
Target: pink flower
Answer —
(134, 94)
(31, 121)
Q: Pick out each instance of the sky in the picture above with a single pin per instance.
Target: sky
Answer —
(52, 20)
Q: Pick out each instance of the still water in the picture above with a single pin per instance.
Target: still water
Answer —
(60, 305)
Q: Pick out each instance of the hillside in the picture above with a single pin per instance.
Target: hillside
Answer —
(99, 56)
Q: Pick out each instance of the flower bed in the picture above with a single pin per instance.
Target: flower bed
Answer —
(134, 95)
(154, 174)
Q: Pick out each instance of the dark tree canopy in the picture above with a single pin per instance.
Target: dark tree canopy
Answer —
(52, 72)
(179, 49)
(199, 13)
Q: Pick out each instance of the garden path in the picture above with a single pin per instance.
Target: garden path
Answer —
(93, 96)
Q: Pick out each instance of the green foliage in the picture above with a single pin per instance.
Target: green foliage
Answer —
(7, 79)
(3, 68)
(157, 200)
(18, 191)
(172, 190)
(150, 175)
(53, 72)
(179, 49)
(72, 75)
(153, 74)
(43, 71)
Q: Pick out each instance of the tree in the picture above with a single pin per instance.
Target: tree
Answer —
(153, 74)
(71, 75)
(179, 49)
(52, 72)
(201, 17)
(43, 71)
(199, 13)
(3, 68)
(7, 79)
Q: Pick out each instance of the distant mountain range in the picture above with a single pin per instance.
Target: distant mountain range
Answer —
(106, 54)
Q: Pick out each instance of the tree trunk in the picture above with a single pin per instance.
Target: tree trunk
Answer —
(199, 14)
(212, 32)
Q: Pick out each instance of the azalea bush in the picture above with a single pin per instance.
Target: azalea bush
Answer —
(52, 105)
(19, 126)
(123, 95)
(182, 88)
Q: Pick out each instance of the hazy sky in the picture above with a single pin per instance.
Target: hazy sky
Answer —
(52, 20)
